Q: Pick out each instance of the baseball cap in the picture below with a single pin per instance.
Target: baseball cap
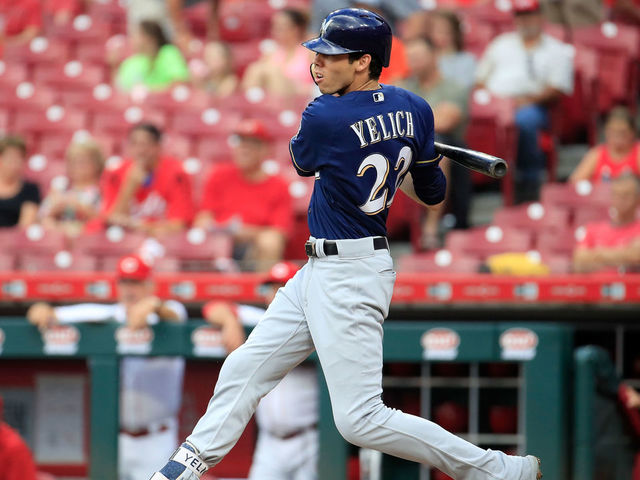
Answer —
(253, 128)
(133, 267)
(281, 272)
(525, 6)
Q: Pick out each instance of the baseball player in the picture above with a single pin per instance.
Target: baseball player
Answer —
(362, 141)
(151, 388)
(287, 418)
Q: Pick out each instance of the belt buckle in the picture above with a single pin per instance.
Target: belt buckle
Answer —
(310, 249)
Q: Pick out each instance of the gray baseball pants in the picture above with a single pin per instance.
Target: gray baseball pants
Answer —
(336, 305)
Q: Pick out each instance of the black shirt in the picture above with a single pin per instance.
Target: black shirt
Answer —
(10, 207)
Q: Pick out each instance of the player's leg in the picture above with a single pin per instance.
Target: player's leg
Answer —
(279, 342)
(345, 314)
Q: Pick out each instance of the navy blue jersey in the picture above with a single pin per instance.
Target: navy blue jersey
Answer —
(360, 146)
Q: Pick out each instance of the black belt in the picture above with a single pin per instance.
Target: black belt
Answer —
(330, 247)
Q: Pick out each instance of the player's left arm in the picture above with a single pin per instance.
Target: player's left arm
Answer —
(427, 184)
(407, 186)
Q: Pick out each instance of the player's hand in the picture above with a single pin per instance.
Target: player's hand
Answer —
(41, 315)
(223, 316)
(633, 398)
(138, 313)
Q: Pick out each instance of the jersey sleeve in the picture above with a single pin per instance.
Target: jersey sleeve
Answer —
(429, 181)
(306, 146)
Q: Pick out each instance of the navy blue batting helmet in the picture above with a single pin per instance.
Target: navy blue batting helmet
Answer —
(351, 30)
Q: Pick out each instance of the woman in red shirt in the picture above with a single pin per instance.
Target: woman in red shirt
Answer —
(619, 154)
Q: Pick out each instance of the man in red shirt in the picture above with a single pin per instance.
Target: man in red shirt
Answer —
(254, 205)
(20, 21)
(149, 193)
(613, 246)
(16, 462)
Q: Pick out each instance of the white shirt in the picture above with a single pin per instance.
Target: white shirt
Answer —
(151, 388)
(508, 69)
(293, 405)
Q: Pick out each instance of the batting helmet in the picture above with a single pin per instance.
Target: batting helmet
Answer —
(351, 30)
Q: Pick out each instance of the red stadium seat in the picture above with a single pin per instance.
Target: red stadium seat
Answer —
(39, 51)
(55, 120)
(55, 145)
(442, 261)
(112, 241)
(118, 123)
(558, 243)
(214, 150)
(84, 29)
(582, 194)
(242, 21)
(179, 99)
(485, 241)
(26, 97)
(57, 261)
(103, 98)
(532, 217)
(111, 12)
(477, 35)
(492, 130)
(177, 145)
(245, 53)
(7, 262)
(589, 214)
(11, 74)
(488, 13)
(210, 122)
(33, 240)
(618, 49)
(160, 265)
(197, 244)
(46, 172)
(74, 76)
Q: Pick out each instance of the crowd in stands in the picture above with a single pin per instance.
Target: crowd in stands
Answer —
(167, 118)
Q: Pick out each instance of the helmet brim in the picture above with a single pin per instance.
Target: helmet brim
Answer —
(327, 47)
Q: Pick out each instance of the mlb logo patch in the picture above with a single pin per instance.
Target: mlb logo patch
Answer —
(378, 97)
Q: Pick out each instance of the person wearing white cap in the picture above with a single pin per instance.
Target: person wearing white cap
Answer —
(151, 388)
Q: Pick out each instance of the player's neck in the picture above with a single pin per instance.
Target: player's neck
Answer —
(362, 84)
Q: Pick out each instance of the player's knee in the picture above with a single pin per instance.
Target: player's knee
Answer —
(352, 427)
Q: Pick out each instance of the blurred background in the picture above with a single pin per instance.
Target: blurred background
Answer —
(158, 131)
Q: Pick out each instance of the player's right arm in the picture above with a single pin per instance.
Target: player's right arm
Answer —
(313, 136)
(407, 187)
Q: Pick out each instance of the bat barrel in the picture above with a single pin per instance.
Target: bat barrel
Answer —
(478, 161)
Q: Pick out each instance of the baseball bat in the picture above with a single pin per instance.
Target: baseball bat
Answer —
(477, 161)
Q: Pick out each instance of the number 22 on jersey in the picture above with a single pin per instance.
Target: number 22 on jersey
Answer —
(379, 196)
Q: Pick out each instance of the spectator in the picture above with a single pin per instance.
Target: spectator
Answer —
(398, 68)
(619, 154)
(151, 390)
(534, 70)
(254, 205)
(448, 101)
(394, 10)
(156, 63)
(218, 77)
(285, 70)
(21, 21)
(447, 36)
(150, 192)
(68, 210)
(15, 457)
(170, 15)
(19, 198)
(614, 245)
(287, 417)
